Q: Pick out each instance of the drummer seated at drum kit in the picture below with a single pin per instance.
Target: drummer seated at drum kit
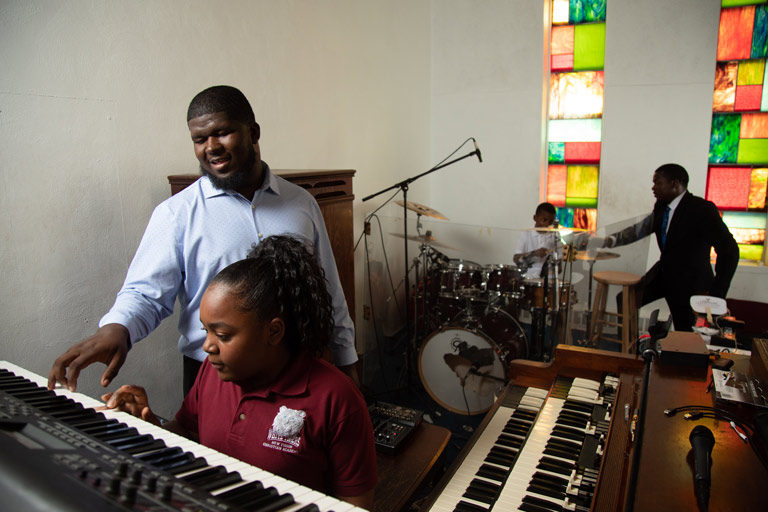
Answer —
(533, 247)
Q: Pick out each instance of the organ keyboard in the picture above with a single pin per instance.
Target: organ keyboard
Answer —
(58, 453)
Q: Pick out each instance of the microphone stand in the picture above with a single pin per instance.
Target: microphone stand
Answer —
(403, 185)
(650, 352)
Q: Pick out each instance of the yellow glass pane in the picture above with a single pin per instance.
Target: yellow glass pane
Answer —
(751, 72)
(758, 187)
(582, 181)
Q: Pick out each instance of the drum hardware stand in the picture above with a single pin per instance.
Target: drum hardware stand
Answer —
(403, 185)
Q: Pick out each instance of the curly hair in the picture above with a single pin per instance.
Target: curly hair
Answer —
(282, 277)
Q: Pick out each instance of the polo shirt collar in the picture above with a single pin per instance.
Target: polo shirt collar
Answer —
(294, 382)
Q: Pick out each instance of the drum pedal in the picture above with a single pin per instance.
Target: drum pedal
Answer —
(392, 425)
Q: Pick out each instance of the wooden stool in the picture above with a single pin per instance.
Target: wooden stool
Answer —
(627, 320)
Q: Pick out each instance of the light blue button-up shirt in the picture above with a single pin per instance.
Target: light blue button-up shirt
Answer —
(196, 233)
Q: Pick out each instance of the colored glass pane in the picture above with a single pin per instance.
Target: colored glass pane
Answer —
(589, 46)
(751, 72)
(576, 95)
(565, 216)
(735, 3)
(728, 187)
(734, 40)
(562, 40)
(560, 11)
(575, 130)
(751, 252)
(758, 189)
(581, 202)
(556, 181)
(759, 36)
(582, 181)
(594, 10)
(556, 152)
(562, 62)
(744, 220)
(752, 151)
(582, 152)
(725, 86)
(764, 103)
(748, 98)
(585, 218)
(724, 141)
(754, 126)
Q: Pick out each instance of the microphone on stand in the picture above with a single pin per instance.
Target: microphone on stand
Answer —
(702, 441)
(477, 150)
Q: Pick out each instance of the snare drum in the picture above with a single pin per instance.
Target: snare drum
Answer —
(465, 365)
(504, 281)
(460, 277)
(533, 294)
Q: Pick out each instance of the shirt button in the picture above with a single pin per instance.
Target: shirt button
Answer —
(261, 235)
(242, 416)
(253, 206)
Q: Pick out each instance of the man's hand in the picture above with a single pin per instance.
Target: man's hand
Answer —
(109, 346)
(133, 400)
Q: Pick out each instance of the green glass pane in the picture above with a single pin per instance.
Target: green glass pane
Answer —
(576, 14)
(594, 10)
(724, 141)
(751, 252)
(747, 220)
(581, 183)
(735, 3)
(575, 130)
(565, 216)
(759, 35)
(556, 152)
(764, 103)
(581, 202)
(589, 46)
(753, 151)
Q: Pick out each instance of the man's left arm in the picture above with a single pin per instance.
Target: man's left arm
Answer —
(727, 252)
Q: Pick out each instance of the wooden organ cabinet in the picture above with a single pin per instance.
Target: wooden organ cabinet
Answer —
(333, 192)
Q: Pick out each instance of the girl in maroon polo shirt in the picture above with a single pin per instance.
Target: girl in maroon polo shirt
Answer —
(264, 395)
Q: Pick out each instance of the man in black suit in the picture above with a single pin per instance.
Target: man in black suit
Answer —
(686, 228)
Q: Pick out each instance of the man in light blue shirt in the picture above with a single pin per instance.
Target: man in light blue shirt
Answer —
(201, 230)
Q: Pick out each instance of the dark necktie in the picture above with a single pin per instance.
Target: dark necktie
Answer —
(664, 223)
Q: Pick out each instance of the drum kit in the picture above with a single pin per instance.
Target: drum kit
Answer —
(467, 326)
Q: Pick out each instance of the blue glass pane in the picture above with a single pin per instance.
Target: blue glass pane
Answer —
(759, 33)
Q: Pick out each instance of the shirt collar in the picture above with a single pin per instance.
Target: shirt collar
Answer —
(293, 382)
(676, 201)
(269, 183)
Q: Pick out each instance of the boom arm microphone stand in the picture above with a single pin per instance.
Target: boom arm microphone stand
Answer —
(403, 185)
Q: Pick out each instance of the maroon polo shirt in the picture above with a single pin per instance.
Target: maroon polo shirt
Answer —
(332, 448)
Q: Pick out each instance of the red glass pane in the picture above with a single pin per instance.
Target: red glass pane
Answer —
(754, 126)
(562, 40)
(734, 40)
(728, 187)
(748, 97)
(582, 152)
(562, 62)
(556, 180)
(585, 218)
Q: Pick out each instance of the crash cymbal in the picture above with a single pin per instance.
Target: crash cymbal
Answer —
(422, 210)
(598, 256)
(427, 239)
(559, 228)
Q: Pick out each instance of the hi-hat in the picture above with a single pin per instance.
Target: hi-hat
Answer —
(427, 239)
(598, 256)
(422, 210)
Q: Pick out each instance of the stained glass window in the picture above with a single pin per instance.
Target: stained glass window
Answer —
(738, 148)
(576, 91)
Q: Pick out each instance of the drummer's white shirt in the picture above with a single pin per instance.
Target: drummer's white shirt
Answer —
(530, 241)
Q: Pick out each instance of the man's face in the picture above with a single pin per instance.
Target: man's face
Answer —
(228, 150)
(665, 190)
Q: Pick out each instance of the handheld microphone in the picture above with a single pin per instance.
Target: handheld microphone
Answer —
(477, 151)
(702, 441)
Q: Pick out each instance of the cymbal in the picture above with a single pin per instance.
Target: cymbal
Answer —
(424, 239)
(422, 210)
(598, 256)
(559, 228)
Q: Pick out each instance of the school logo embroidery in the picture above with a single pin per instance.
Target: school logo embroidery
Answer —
(285, 434)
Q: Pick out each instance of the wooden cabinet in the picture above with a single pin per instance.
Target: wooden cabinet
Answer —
(333, 192)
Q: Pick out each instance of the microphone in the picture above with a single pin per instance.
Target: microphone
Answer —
(477, 151)
(702, 441)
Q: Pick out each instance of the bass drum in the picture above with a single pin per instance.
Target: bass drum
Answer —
(464, 366)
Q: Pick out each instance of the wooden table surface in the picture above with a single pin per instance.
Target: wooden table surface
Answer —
(400, 474)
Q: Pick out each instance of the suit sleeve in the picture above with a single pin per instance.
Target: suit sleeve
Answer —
(635, 232)
(727, 251)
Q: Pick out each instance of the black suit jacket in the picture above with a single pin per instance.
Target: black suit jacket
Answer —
(684, 266)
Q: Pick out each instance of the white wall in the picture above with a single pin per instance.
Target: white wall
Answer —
(93, 99)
